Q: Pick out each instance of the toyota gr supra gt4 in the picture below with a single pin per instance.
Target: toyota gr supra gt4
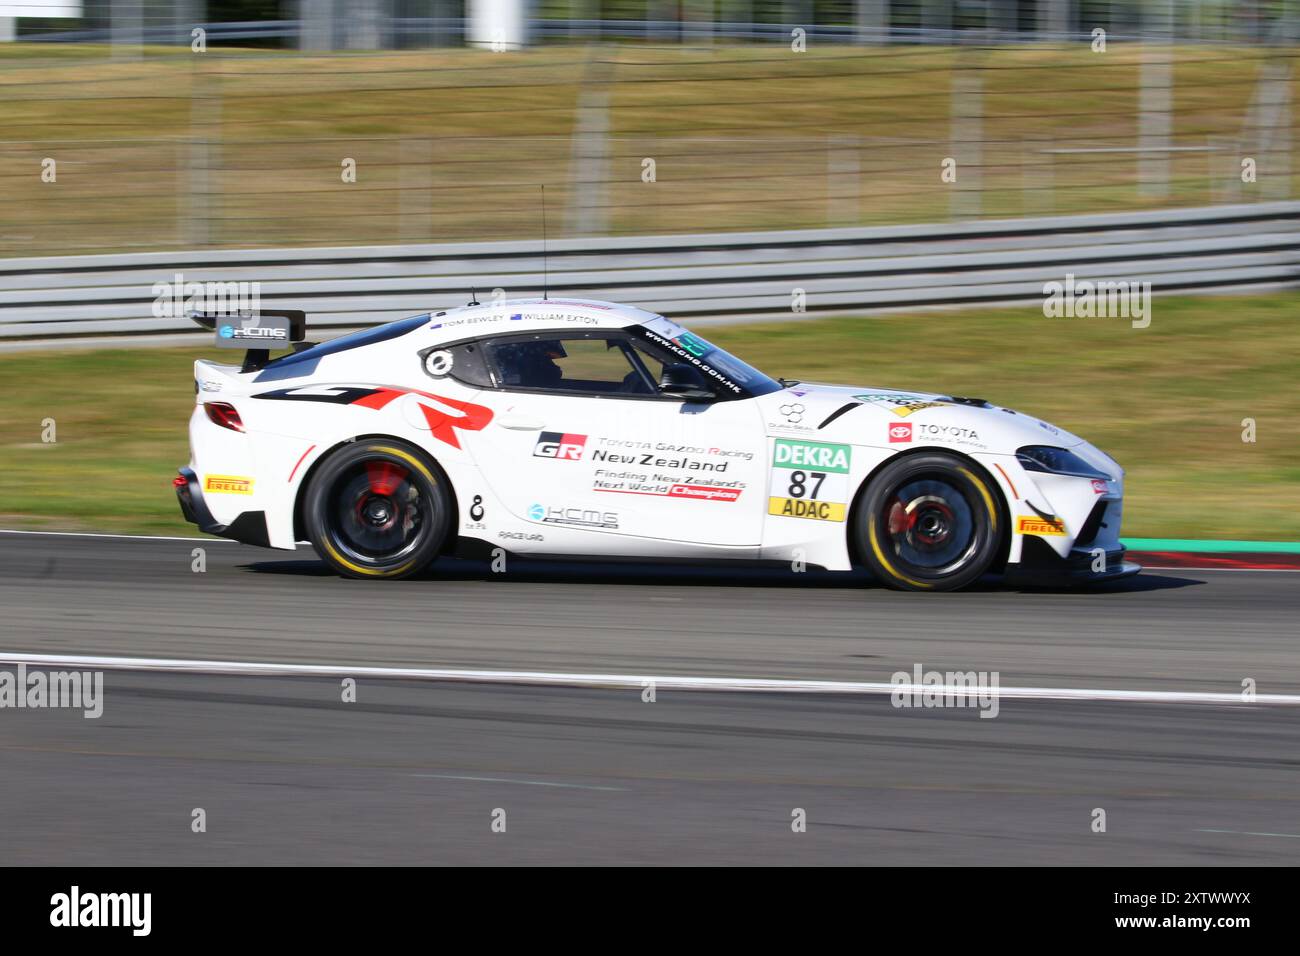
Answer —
(548, 428)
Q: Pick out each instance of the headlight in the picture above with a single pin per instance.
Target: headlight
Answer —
(1056, 461)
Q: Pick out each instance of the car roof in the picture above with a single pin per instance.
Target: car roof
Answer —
(525, 315)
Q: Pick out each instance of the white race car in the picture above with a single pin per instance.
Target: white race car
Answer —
(581, 429)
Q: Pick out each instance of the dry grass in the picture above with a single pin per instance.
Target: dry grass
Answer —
(451, 144)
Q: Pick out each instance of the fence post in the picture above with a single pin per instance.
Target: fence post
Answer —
(363, 27)
(936, 14)
(185, 17)
(415, 193)
(1221, 158)
(1269, 130)
(872, 21)
(1155, 100)
(316, 25)
(843, 181)
(699, 15)
(966, 131)
(197, 181)
(1037, 179)
(126, 28)
(1279, 184)
(589, 167)
(1053, 19)
(1005, 15)
(659, 13)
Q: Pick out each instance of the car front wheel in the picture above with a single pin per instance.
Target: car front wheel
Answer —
(378, 509)
(929, 522)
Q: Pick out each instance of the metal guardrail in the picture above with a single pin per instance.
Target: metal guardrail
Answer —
(707, 275)
(829, 21)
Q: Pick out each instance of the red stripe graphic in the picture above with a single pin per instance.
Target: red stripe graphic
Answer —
(300, 461)
(378, 399)
(443, 425)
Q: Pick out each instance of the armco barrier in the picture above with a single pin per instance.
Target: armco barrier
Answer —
(723, 274)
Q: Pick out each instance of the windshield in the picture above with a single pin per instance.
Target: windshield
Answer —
(738, 379)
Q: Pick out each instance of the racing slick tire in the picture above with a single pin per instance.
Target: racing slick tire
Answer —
(378, 508)
(929, 522)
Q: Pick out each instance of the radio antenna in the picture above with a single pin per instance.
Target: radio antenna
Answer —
(545, 273)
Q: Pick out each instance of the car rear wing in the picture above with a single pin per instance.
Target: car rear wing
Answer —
(256, 331)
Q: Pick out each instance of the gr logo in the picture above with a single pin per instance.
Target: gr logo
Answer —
(560, 445)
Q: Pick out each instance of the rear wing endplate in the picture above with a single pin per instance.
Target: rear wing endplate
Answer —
(259, 332)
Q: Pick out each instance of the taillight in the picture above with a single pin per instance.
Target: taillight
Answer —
(223, 414)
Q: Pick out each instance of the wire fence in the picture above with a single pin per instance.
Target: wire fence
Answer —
(393, 24)
(245, 148)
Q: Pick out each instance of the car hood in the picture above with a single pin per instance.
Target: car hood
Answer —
(900, 418)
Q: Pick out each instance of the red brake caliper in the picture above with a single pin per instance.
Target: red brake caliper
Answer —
(900, 521)
(384, 477)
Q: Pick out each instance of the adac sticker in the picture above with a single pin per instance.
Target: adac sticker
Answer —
(228, 485)
(901, 404)
(810, 480)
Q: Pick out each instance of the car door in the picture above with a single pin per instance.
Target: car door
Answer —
(585, 449)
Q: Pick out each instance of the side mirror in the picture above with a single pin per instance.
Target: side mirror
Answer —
(685, 381)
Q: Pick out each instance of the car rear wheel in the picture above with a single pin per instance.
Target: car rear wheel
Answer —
(378, 509)
(929, 522)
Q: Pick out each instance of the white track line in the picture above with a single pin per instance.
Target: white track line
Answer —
(632, 681)
(1289, 836)
(525, 783)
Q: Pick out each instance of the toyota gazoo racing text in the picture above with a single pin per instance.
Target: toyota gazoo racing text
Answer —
(571, 428)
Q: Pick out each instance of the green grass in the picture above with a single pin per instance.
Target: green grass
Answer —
(1167, 401)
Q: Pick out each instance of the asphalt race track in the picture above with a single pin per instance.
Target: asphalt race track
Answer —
(412, 771)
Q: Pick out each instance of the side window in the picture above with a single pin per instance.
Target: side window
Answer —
(653, 364)
(588, 364)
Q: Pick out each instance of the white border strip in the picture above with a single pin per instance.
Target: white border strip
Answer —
(633, 681)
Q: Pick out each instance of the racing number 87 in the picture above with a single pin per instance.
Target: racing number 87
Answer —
(799, 481)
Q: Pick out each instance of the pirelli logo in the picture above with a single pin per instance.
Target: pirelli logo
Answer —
(1040, 526)
(228, 485)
